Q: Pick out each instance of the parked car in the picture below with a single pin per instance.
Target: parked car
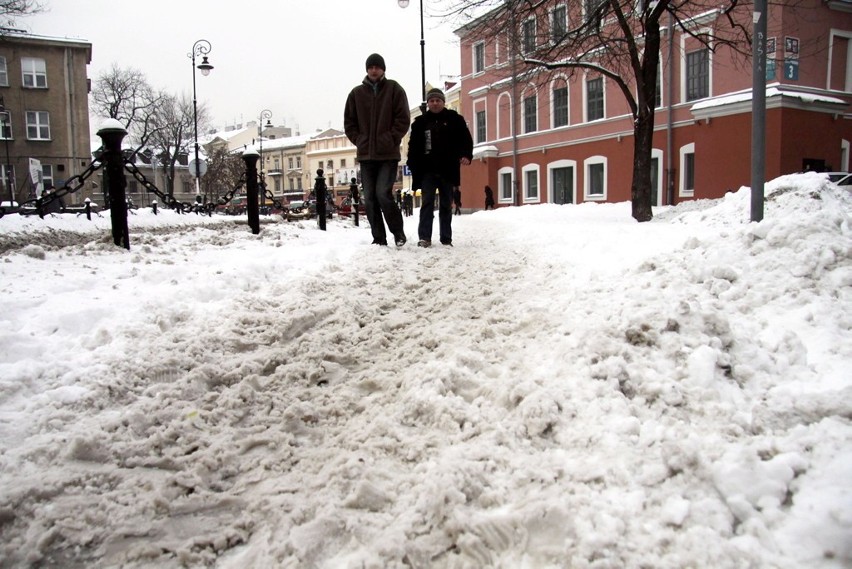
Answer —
(836, 176)
(345, 207)
(298, 210)
(329, 208)
(845, 182)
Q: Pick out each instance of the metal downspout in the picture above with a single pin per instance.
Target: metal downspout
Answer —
(669, 158)
(516, 193)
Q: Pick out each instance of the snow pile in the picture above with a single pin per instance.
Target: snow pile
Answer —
(563, 388)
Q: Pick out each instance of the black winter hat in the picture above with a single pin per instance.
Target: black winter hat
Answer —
(376, 60)
(436, 94)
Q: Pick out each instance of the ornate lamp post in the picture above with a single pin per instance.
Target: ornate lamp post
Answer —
(7, 178)
(404, 4)
(264, 114)
(202, 48)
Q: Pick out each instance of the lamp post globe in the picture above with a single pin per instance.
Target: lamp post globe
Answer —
(199, 48)
(264, 114)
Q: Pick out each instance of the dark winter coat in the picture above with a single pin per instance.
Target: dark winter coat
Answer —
(450, 141)
(376, 119)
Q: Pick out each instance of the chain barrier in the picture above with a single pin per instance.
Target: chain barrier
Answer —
(183, 207)
(277, 203)
(74, 183)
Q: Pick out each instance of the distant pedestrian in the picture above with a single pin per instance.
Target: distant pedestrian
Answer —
(375, 119)
(457, 199)
(408, 204)
(440, 143)
(489, 198)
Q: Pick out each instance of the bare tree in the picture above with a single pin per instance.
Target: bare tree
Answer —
(173, 131)
(226, 171)
(11, 10)
(126, 95)
(620, 40)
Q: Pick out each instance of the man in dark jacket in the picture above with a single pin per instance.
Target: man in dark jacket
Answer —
(440, 143)
(375, 119)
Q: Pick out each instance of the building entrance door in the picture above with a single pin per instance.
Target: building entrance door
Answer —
(562, 183)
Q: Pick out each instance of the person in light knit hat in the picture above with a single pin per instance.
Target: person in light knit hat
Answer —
(375, 119)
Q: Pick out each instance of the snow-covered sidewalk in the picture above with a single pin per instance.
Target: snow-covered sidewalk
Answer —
(563, 388)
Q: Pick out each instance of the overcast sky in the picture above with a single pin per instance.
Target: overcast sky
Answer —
(298, 59)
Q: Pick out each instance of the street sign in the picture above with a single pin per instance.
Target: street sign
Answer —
(770, 69)
(791, 69)
(202, 167)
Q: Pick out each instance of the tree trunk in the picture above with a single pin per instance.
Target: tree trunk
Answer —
(643, 124)
(640, 191)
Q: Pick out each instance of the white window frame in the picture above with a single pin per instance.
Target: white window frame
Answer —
(557, 83)
(844, 155)
(478, 56)
(8, 176)
(4, 72)
(38, 125)
(586, 80)
(587, 163)
(6, 126)
(833, 33)
(47, 175)
(524, 98)
(511, 115)
(528, 196)
(34, 68)
(501, 197)
(555, 166)
(524, 38)
(480, 105)
(657, 154)
(683, 53)
(552, 20)
(684, 150)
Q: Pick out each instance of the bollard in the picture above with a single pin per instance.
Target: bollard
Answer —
(154, 206)
(250, 156)
(319, 192)
(88, 208)
(112, 133)
(354, 199)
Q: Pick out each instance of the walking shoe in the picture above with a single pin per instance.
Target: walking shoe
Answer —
(447, 243)
(383, 243)
(400, 240)
(424, 243)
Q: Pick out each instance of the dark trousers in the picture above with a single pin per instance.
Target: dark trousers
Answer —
(431, 183)
(377, 178)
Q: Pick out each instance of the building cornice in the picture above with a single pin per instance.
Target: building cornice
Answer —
(777, 96)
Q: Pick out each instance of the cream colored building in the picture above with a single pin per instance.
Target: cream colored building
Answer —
(284, 167)
(331, 152)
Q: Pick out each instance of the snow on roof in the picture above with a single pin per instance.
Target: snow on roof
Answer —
(772, 90)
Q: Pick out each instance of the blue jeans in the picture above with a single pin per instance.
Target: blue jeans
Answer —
(377, 178)
(430, 183)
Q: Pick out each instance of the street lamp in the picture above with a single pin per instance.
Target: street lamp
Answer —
(7, 178)
(404, 4)
(201, 47)
(264, 114)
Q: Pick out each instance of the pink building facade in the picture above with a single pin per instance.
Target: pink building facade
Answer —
(551, 137)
